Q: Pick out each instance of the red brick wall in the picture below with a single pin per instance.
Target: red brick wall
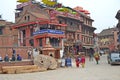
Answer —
(19, 50)
(9, 36)
(6, 40)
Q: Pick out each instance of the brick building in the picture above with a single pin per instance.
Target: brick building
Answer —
(87, 29)
(108, 39)
(38, 25)
(9, 40)
(34, 20)
(7, 36)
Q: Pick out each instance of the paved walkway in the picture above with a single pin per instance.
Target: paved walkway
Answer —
(92, 71)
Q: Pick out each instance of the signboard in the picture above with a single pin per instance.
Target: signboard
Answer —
(48, 31)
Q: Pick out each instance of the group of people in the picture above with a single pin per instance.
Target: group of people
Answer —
(80, 60)
(67, 61)
(94, 54)
(13, 58)
(17, 57)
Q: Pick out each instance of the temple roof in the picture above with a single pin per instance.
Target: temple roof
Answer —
(39, 15)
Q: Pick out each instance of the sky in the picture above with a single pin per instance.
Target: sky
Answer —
(101, 11)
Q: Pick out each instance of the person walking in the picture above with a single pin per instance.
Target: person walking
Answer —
(83, 60)
(97, 57)
(91, 56)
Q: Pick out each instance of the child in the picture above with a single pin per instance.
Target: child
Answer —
(83, 60)
(77, 61)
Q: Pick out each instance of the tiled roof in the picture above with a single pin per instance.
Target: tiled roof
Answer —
(39, 15)
(106, 32)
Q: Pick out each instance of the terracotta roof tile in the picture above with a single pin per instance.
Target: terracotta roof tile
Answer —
(39, 15)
